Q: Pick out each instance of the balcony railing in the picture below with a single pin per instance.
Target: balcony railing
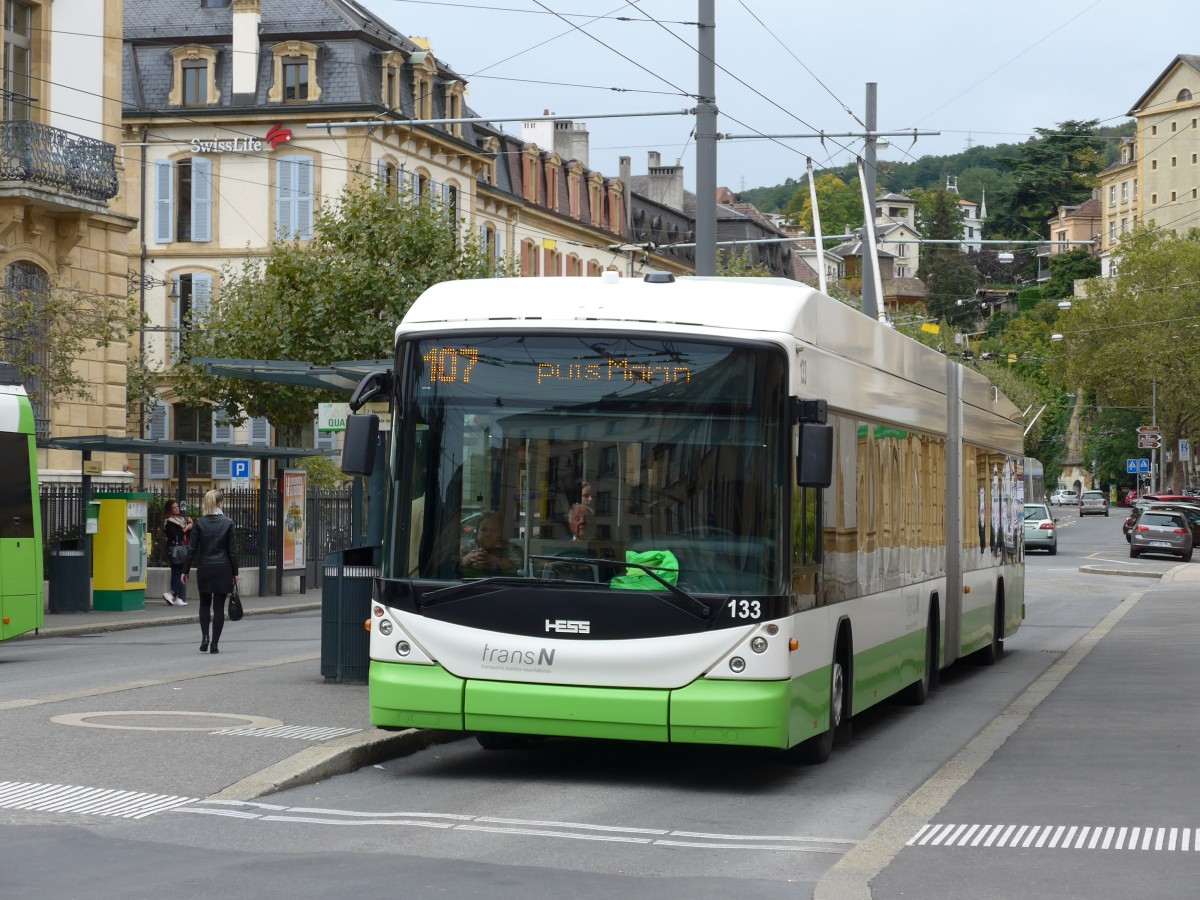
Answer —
(58, 160)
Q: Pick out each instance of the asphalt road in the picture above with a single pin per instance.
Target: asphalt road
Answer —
(1028, 742)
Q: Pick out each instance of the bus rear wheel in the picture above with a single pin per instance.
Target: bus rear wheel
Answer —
(916, 693)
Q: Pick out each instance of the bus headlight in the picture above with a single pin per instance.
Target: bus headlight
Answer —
(385, 627)
(737, 665)
(759, 645)
(403, 648)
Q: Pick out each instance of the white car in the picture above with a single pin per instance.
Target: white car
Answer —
(1063, 497)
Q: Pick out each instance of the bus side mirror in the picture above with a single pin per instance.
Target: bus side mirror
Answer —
(372, 385)
(358, 446)
(814, 457)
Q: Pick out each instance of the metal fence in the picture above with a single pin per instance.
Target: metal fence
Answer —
(328, 525)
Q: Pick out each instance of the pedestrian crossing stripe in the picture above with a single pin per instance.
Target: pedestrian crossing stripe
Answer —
(1059, 837)
(296, 732)
(70, 798)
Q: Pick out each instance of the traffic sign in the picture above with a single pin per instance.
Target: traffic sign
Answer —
(1148, 429)
(1143, 466)
(1149, 442)
(239, 470)
(1185, 450)
(1131, 466)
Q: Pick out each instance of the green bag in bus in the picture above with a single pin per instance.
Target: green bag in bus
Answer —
(663, 562)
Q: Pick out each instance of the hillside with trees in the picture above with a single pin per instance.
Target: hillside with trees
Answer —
(1024, 182)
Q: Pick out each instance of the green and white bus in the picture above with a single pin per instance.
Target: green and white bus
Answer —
(21, 592)
(791, 513)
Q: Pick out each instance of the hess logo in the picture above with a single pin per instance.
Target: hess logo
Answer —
(569, 626)
(278, 135)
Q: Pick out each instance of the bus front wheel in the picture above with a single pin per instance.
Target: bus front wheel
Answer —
(817, 749)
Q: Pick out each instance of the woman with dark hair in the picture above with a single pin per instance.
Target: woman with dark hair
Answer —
(213, 551)
(177, 528)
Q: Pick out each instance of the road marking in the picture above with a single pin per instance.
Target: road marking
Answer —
(579, 831)
(86, 801)
(84, 720)
(850, 878)
(1159, 839)
(294, 732)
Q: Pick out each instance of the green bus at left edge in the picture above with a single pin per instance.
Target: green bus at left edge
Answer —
(21, 592)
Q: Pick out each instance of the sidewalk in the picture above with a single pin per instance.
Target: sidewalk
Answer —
(297, 693)
(158, 613)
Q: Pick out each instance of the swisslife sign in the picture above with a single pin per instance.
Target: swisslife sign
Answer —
(276, 136)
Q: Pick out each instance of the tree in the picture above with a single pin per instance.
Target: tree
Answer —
(1058, 168)
(46, 330)
(737, 264)
(1066, 268)
(840, 205)
(337, 297)
(948, 275)
(1131, 338)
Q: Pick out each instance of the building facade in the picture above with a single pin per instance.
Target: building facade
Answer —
(1119, 203)
(243, 117)
(63, 239)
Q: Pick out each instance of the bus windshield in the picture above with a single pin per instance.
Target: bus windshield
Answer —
(543, 457)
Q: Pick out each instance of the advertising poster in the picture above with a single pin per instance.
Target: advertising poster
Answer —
(294, 490)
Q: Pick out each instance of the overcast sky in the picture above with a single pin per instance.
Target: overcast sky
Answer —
(979, 73)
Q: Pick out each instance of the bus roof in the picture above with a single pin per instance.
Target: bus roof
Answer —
(711, 306)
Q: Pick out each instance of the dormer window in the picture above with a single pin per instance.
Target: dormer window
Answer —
(295, 73)
(389, 87)
(194, 82)
(295, 79)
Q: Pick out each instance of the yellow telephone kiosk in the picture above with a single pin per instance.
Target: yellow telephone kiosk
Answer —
(119, 553)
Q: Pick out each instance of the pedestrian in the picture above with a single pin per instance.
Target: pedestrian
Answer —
(213, 550)
(177, 528)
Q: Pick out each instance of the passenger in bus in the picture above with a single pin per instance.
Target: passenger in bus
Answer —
(580, 521)
(490, 554)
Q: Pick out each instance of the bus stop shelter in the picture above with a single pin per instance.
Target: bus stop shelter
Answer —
(86, 445)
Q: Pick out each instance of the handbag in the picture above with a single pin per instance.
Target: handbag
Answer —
(179, 555)
(235, 605)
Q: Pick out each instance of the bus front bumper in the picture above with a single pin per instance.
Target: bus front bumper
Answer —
(707, 711)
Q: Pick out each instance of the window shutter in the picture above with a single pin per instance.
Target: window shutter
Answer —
(201, 199)
(201, 299)
(222, 433)
(325, 441)
(164, 201)
(260, 432)
(158, 466)
(177, 317)
(304, 198)
(285, 200)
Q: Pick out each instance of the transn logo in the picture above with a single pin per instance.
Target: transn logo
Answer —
(569, 626)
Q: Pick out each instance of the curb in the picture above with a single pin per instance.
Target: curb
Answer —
(1132, 573)
(123, 624)
(337, 757)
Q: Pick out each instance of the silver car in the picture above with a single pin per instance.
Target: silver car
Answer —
(1161, 531)
(1040, 530)
(1093, 502)
(1063, 497)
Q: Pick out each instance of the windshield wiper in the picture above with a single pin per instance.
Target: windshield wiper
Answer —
(468, 588)
(690, 603)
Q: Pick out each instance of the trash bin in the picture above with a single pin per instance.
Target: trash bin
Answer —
(349, 578)
(70, 582)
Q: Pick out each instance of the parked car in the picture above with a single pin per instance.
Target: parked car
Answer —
(1191, 511)
(1063, 497)
(1040, 532)
(1093, 502)
(1130, 497)
(1161, 531)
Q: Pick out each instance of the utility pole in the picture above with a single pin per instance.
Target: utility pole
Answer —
(871, 301)
(706, 141)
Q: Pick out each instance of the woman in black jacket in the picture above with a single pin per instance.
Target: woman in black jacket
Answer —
(214, 553)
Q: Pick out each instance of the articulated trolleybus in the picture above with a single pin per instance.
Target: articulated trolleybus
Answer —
(698, 510)
(21, 592)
